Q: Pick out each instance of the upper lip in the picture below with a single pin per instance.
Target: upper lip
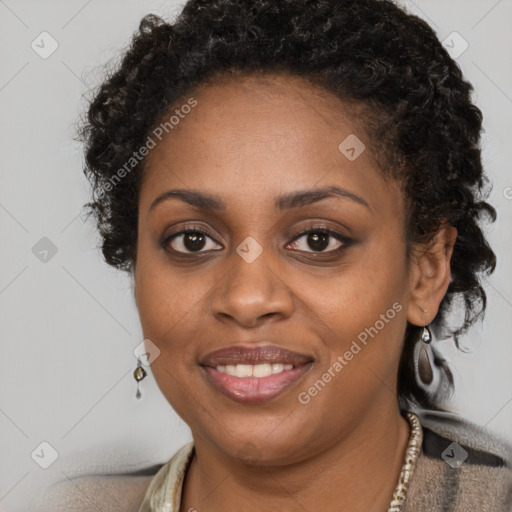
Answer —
(240, 354)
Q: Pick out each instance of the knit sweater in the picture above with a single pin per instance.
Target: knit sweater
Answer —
(461, 468)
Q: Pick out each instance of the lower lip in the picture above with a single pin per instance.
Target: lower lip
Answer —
(253, 390)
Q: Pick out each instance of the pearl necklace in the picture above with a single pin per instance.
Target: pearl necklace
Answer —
(411, 456)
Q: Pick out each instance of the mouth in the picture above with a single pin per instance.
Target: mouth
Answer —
(254, 374)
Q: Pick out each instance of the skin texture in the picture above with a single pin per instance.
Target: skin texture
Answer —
(247, 141)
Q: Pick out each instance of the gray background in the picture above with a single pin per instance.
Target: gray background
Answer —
(69, 325)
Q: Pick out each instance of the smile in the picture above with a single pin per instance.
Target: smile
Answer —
(254, 374)
(253, 370)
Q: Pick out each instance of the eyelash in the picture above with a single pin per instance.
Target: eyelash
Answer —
(346, 242)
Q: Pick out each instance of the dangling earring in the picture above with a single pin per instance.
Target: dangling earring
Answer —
(428, 376)
(138, 375)
(425, 372)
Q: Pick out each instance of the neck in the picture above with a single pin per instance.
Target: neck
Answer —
(357, 473)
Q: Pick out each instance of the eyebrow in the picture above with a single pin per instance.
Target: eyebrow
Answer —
(287, 201)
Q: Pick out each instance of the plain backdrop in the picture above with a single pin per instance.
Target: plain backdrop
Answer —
(68, 322)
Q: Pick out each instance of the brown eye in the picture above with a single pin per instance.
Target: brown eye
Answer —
(320, 240)
(189, 241)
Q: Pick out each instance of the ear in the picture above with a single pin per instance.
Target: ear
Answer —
(430, 276)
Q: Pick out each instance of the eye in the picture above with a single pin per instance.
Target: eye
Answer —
(320, 239)
(195, 240)
(188, 241)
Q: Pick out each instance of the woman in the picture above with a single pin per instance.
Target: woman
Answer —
(295, 187)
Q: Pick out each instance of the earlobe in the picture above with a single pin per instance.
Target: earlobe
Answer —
(431, 276)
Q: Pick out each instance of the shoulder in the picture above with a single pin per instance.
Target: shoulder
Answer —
(462, 467)
(110, 492)
(477, 438)
(164, 491)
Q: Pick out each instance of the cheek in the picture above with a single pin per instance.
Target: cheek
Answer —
(362, 310)
(162, 295)
(365, 330)
(355, 297)
(173, 307)
(169, 318)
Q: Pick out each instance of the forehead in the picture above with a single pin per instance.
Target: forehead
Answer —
(248, 138)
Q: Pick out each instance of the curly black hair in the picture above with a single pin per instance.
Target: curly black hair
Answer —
(369, 53)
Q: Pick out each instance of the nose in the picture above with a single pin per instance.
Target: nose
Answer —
(252, 292)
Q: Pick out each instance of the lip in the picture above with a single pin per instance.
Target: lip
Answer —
(240, 354)
(253, 390)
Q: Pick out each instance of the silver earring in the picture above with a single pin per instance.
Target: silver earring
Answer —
(425, 372)
(427, 375)
(426, 335)
(138, 375)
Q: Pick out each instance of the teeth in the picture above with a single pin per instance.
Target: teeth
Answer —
(253, 370)
(277, 368)
(261, 370)
(243, 370)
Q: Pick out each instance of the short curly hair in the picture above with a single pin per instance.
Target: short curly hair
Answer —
(370, 53)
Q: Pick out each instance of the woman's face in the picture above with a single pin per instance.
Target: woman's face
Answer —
(263, 154)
